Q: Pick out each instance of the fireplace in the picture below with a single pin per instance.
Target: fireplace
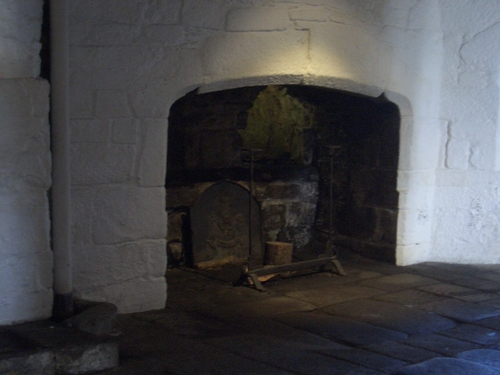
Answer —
(292, 127)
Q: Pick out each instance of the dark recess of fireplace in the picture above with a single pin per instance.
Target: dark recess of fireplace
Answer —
(204, 147)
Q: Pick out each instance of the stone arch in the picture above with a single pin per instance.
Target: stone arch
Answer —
(414, 225)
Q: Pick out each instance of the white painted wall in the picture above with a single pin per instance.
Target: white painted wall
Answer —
(130, 60)
(26, 259)
(467, 210)
(436, 59)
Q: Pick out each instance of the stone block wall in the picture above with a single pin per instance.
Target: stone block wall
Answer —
(25, 166)
(119, 218)
(130, 62)
(118, 156)
(437, 60)
(365, 136)
(288, 211)
(467, 220)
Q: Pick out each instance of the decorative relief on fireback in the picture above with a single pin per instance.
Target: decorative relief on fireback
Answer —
(225, 227)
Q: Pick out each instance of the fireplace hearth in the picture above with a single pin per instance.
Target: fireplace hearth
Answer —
(292, 124)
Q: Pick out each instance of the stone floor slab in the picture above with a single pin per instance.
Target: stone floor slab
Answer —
(367, 359)
(474, 333)
(296, 283)
(479, 297)
(267, 308)
(28, 362)
(364, 372)
(485, 356)
(163, 352)
(284, 355)
(478, 277)
(318, 280)
(277, 330)
(391, 316)
(10, 342)
(75, 351)
(340, 329)
(84, 358)
(329, 295)
(448, 290)
(492, 322)
(186, 324)
(398, 282)
(487, 273)
(406, 353)
(461, 270)
(493, 302)
(440, 344)
(433, 271)
(374, 266)
(447, 366)
(210, 326)
(189, 290)
(477, 283)
(458, 292)
(409, 298)
(461, 310)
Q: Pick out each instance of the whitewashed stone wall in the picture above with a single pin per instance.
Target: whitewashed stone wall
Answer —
(131, 60)
(118, 157)
(436, 59)
(467, 220)
(26, 259)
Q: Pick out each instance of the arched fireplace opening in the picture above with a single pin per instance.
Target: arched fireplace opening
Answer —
(292, 127)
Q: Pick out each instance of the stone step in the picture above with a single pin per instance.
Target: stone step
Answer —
(47, 348)
(21, 356)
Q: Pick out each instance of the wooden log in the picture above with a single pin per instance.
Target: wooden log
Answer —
(278, 253)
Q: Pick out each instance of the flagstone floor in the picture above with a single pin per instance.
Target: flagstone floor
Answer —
(379, 319)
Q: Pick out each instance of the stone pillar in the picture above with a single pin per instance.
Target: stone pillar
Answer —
(26, 259)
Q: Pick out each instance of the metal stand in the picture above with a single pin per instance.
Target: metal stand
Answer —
(320, 263)
(329, 244)
(248, 155)
(329, 258)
